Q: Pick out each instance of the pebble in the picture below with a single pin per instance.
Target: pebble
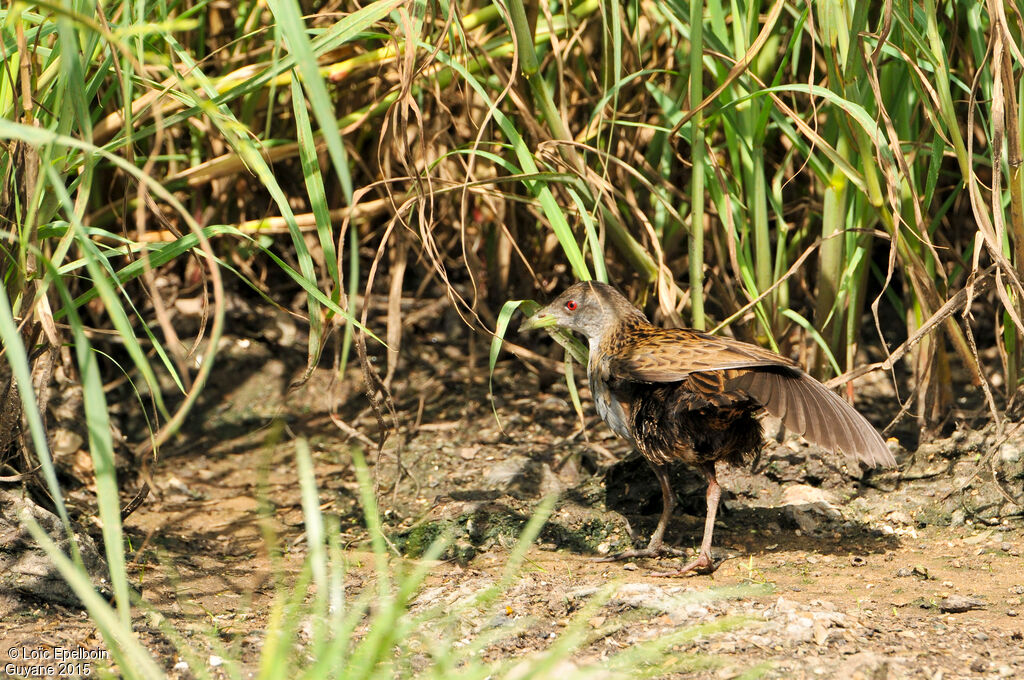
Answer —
(500, 620)
(955, 604)
(868, 665)
(900, 517)
(1011, 612)
(800, 630)
(1009, 453)
(784, 605)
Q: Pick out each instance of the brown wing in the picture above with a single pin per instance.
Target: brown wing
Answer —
(672, 354)
(811, 409)
(802, 403)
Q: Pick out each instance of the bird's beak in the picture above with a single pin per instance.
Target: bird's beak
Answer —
(542, 319)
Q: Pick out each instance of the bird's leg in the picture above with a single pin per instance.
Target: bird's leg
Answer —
(656, 546)
(704, 564)
(668, 504)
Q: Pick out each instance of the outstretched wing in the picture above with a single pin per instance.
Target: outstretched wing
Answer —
(723, 367)
(811, 409)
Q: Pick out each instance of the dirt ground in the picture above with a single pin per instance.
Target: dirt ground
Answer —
(914, 573)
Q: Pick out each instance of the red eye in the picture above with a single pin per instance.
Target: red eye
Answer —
(571, 305)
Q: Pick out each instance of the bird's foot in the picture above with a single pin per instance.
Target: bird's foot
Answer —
(658, 550)
(704, 564)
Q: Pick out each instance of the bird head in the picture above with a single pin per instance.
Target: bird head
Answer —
(589, 307)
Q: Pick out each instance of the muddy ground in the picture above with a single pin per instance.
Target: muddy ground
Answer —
(914, 573)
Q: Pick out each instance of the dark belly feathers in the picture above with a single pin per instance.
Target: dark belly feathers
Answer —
(685, 421)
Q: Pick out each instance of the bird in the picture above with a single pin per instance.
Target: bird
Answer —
(678, 394)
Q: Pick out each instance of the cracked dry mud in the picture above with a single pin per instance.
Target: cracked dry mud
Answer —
(909, 574)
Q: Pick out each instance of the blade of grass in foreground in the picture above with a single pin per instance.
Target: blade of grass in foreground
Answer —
(101, 448)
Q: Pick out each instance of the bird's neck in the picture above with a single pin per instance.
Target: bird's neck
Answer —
(616, 332)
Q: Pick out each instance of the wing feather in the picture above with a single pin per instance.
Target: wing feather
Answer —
(818, 413)
(672, 354)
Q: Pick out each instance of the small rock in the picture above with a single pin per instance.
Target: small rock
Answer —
(25, 568)
(899, 517)
(629, 566)
(865, 665)
(955, 604)
(858, 561)
(821, 633)
(1009, 453)
(807, 505)
(64, 442)
(904, 572)
(800, 630)
(216, 661)
(1005, 547)
(500, 620)
(784, 605)
(803, 494)
(1011, 612)
(504, 472)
